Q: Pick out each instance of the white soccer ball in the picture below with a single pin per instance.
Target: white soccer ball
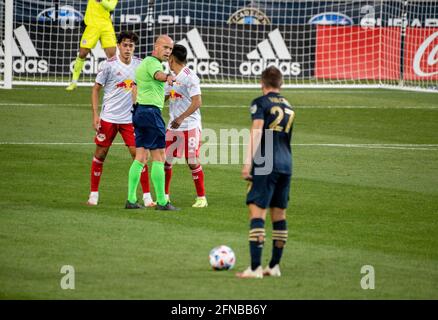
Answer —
(222, 258)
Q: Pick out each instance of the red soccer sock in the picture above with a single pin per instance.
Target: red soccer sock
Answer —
(144, 179)
(198, 179)
(168, 172)
(96, 173)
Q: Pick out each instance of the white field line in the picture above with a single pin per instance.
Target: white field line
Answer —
(226, 106)
(252, 90)
(398, 146)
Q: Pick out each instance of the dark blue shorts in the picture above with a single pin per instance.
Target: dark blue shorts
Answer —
(149, 128)
(269, 191)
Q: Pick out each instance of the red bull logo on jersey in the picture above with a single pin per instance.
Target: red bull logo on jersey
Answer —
(175, 95)
(127, 85)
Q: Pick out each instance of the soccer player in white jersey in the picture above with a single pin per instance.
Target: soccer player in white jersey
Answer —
(117, 76)
(183, 133)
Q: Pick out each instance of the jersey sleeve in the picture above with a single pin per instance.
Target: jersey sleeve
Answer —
(103, 73)
(194, 87)
(256, 110)
(153, 66)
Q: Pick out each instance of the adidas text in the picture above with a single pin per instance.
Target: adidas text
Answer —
(27, 60)
(23, 65)
(287, 68)
(91, 66)
(204, 67)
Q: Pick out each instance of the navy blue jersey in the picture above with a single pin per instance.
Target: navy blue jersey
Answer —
(278, 116)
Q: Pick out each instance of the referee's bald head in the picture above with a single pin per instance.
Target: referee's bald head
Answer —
(163, 47)
(163, 38)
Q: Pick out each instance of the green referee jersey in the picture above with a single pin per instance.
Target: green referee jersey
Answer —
(149, 90)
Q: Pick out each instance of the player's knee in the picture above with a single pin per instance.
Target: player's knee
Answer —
(110, 52)
(83, 52)
(167, 165)
(278, 214)
(158, 155)
(141, 159)
(101, 153)
(192, 164)
(132, 151)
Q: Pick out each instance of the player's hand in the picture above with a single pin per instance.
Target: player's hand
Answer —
(176, 123)
(170, 79)
(246, 172)
(96, 123)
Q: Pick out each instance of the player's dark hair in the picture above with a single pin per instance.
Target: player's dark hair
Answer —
(180, 53)
(272, 77)
(130, 35)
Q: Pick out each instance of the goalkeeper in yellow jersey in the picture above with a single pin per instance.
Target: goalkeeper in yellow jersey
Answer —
(98, 26)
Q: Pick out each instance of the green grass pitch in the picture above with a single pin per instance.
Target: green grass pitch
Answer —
(364, 192)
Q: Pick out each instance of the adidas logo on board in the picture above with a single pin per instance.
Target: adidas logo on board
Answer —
(23, 64)
(197, 54)
(273, 51)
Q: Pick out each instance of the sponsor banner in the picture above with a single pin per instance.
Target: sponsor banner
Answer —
(353, 52)
(67, 16)
(245, 51)
(421, 54)
(300, 52)
(368, 13)
(242, 52)
(49, 51)
(249, 15)
(26, 59)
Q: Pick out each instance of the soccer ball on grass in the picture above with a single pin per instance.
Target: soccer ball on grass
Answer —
(222, 258)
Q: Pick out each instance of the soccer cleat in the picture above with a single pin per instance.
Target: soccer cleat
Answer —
(273, 272)
(130, 205)
(249, 273)
(201, 202)
(93, 199)
(72, 86)
(167, 207)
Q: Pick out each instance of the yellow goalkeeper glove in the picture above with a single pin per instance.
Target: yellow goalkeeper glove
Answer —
(109, 5)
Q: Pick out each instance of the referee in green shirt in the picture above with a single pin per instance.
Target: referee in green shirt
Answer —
(150, 130)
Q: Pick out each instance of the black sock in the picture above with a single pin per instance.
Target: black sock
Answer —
(256, 241)
(279, 238)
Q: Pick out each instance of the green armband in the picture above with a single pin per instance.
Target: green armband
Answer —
(109, 5)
